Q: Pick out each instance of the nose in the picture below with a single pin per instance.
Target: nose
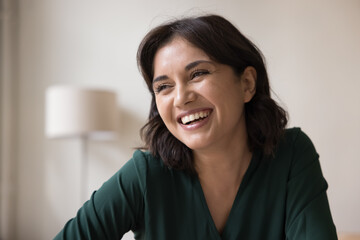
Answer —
(183, 95)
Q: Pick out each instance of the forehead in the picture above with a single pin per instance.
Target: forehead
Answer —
(177, 51)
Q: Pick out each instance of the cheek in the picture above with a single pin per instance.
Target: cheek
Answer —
(163, 109)
(212, 92)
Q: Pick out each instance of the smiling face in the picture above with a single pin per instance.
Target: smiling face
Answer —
(200, 101)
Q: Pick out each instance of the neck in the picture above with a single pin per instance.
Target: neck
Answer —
(227, 160)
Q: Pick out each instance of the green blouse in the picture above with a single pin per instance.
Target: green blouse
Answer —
(280, 197)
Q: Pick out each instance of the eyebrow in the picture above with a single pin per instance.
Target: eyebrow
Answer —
(187, 68)
(194, 64)
(159, 78)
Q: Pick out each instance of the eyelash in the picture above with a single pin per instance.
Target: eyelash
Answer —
(198, 72)
(161, 87)
(194, 74)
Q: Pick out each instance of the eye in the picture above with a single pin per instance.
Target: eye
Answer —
(160, 87)
(198, 73)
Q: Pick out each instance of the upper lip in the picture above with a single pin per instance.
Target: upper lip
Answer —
(183, 114)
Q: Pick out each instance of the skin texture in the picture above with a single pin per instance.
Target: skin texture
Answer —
(186, 81)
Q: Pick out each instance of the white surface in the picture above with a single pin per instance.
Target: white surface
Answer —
(313, 56)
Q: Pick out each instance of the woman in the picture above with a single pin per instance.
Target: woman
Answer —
(220, 164)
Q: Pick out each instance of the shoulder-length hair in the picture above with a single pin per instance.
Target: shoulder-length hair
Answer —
(223, 43)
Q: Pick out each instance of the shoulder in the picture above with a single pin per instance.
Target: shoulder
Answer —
(295, 141)
(296, 135)
(144, 161)
(142, 167)
(298, 149)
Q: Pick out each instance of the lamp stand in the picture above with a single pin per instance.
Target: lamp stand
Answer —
(84, 169)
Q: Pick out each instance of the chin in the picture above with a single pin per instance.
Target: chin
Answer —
(194, 142)
(196, 145)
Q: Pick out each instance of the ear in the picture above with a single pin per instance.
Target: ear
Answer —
(248, 79)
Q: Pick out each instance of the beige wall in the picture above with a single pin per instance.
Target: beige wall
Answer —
(313, 57)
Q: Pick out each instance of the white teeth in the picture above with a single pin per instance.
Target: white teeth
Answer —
(195, 116)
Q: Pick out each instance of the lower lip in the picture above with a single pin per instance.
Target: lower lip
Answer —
(196, 125)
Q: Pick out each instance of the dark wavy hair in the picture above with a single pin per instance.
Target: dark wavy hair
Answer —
(223, 43)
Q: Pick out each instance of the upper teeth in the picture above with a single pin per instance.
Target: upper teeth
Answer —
(188, 118)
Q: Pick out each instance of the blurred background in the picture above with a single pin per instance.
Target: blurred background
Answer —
(312, 50)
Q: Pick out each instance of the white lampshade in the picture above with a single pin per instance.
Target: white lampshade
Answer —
(80, 112)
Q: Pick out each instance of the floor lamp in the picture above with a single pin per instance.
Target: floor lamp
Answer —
(83, 113)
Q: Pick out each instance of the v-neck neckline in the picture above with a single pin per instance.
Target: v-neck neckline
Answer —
(252, 166)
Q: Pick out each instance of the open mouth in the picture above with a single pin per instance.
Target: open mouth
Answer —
(194, 117)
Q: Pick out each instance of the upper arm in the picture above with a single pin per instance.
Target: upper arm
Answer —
(113, 210)
(307, 209)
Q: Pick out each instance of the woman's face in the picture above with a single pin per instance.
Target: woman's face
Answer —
(200, 101)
